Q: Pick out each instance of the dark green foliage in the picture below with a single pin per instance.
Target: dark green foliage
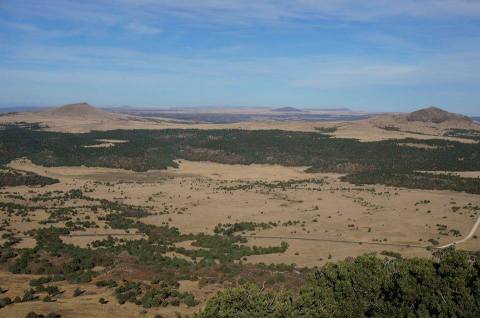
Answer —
(45, 280)
(47, 299)
(464, 133)
(52, 290)
(12, 177)
(416, 180)
(230, 229)
(390, 128)
(367, 286)
(189, 299)
(380, 161)
(21, 262)
(128, 292)
(29, 295)
(391, 254)
(226, 248)
(77, 264)
(247, 302)
(5, 301)
(78, 292)
(153, 296)
(326, 129)
(270, 185)
(21, 124)
(147, 149)
(106, 283)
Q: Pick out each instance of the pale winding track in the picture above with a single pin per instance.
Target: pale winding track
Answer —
(466, 238)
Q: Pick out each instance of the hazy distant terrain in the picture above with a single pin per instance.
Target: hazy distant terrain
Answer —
(226, 118)
(236, 115)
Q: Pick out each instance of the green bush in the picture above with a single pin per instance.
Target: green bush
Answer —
(367, 286)
(77, 292)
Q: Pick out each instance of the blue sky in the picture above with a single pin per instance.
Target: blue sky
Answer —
(372, 55)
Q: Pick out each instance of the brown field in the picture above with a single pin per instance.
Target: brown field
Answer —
(330, 220)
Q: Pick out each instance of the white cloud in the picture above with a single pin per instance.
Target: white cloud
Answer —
(115, 12)
(235, 11)
(142, 28)
(317, 71)
(24, 27)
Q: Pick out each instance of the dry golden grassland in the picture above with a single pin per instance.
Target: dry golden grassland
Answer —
(321, 218)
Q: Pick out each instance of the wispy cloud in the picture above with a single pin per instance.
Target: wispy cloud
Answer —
(316, 71)
(24, 27)
(143, 28)
(281, 10)
(275, 49)
(101, 12)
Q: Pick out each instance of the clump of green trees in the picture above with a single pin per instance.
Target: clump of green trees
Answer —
(155, 295)
(448, 286)
(33, 314)
(463, 133)
(230, 229)
(416, 180)
(11, 177)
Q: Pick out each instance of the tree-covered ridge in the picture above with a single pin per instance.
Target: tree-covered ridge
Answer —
(156, 149)
(389, 162)
(367, 286)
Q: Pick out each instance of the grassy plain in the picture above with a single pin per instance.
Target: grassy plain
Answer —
(322, 218)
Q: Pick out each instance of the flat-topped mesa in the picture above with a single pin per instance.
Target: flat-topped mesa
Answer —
(287, 110)
(436, 115)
